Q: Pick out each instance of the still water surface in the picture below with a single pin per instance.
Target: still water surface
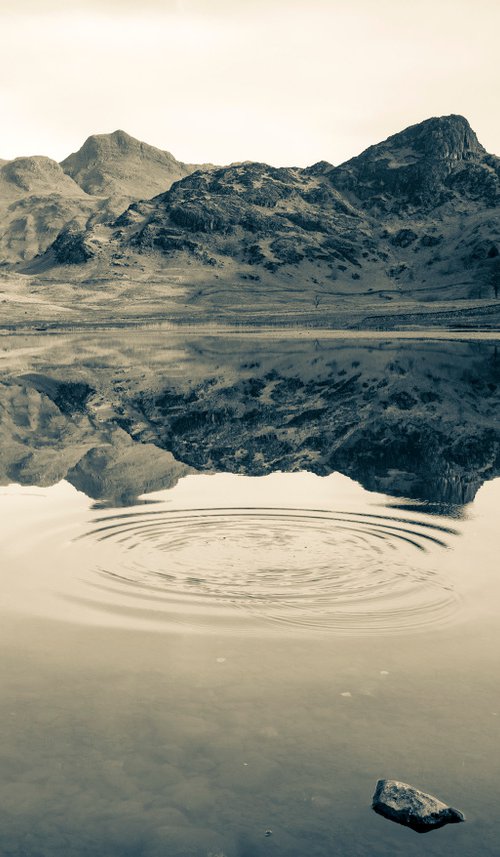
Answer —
(243, 654)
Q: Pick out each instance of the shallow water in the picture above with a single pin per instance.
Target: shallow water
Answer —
(188, 668)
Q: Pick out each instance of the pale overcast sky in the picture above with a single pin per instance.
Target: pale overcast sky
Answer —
(282, 81)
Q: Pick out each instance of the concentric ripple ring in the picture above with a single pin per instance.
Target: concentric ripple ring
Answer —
(345, 572)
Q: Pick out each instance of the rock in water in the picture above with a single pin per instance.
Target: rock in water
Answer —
(407, 805)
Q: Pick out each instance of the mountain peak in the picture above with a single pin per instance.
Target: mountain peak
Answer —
(110, 146)
(119, 139)
(417, 166)
(445, 137)
(109, 164)
(121, 136)
(36, 174)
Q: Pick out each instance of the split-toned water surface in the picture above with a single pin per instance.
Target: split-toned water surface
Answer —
(242, 579)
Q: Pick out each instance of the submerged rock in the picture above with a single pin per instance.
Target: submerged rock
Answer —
(407, 805)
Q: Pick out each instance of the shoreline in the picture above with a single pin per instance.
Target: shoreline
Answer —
(279, 331)
(348, 321)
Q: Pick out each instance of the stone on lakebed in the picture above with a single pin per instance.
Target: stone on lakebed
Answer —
(407, 805)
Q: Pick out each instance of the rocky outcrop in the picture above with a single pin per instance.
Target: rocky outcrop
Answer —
(413, 808)
(71, 247)
(257, 215)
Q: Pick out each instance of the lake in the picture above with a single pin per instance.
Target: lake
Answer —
(243, 578)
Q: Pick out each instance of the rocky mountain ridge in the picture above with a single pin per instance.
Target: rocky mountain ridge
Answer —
(412, 219)
(417, 213)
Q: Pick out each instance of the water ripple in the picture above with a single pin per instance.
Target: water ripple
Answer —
(347, 572)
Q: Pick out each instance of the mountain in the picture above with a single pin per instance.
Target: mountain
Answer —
(412, 221)
(36, 175)
(413, 217)
(40, 198)
(46, 436)
(119, 166)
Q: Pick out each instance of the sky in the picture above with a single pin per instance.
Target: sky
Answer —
(288, 82)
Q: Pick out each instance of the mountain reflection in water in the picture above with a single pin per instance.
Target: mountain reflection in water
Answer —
(414, 419)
